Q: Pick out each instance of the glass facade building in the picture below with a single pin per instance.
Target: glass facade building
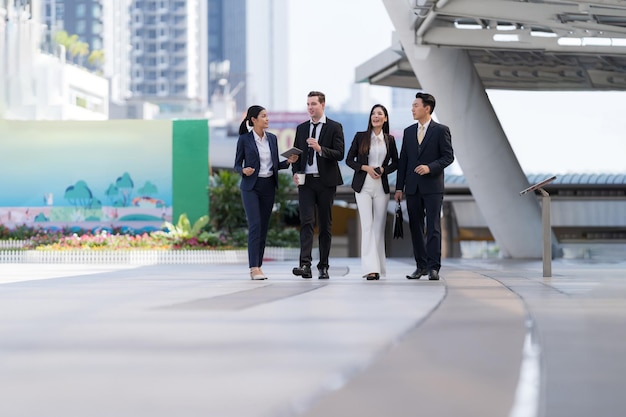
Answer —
(169, 63)
(77, 17)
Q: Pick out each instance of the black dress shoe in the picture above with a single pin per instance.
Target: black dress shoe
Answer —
(417, 273)
(323, 273)
(433, 275)
(304, 271)
(372, 276)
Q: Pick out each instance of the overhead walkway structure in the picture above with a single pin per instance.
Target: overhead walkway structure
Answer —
(457, 49)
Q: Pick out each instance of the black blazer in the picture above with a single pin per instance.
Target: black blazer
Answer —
(355, 160)
(332, 143)
(435, 151)
(247, 155)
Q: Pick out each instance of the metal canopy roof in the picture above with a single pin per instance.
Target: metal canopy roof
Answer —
(518, 45)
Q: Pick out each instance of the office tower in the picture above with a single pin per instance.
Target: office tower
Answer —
(41, 86)
(247, 49)
(117, 47)
(227, 51)
(52, 18)
(267, 53)
(169, 64)
(83, 18)
(103, 26)
(20, 34)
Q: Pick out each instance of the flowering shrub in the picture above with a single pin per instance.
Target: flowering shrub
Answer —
(106, 241)
(21, 232)
(206, 240)
(103, 241)
(41, 239)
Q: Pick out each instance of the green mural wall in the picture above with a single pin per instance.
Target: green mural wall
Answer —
(190, 166)
(103, 174)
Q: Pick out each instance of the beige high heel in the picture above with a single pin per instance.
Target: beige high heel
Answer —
(257, 274)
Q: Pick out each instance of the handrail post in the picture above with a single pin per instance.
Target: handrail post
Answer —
(546, 232)
(546, 228)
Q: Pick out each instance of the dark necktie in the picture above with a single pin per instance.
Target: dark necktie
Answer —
(311, 153)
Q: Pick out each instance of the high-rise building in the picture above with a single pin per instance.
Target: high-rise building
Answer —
(19, 36)
(83, 18)
(52, 17)
(104, 26)
(226, 43)
(179, 54)
(169, 64)
(117, 47)
(247, 51)
(36, 85)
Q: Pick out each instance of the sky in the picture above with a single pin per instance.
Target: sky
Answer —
(550, 132)
(345, 34)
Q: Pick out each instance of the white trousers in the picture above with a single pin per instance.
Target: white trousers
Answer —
(372, 203)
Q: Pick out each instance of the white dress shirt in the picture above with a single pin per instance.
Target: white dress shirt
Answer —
(312, 169)
(265, 155)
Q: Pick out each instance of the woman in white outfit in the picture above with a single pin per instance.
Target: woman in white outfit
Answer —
(373, 155)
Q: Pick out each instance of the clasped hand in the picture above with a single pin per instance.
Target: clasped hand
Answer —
(374, 173)
(422, 170)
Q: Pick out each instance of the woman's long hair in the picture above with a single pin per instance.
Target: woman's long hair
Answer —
(364, 148)
(253, 111)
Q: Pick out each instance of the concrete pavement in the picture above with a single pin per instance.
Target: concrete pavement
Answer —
(493, 338)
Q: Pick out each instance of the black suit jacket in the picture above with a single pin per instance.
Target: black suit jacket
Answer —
(332, 143)
(247, 155)
(355, 160)
(435, 151)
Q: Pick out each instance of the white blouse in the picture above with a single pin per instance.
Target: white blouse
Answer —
(378, 150)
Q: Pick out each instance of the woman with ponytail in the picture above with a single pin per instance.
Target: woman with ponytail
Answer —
(257, 162)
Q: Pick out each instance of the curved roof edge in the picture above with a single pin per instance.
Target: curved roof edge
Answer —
(561, 179)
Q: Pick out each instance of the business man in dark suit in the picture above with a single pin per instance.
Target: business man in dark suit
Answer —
(257, 161)
(322, 144)
(426, 151)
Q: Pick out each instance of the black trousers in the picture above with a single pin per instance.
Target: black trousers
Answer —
(426, 242)
(314, 194)
(258, 204)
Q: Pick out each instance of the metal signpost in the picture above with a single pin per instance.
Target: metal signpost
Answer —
(545, 223)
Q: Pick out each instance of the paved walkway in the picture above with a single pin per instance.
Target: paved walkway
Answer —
(493, 338)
